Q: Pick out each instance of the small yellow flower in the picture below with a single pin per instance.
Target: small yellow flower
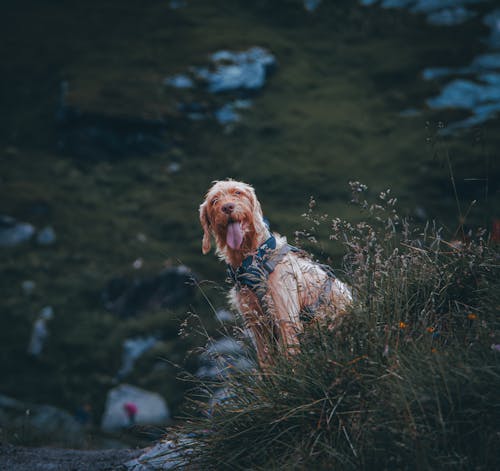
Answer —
(403, 325)
(471, 316)
(430, 329)
(434, 350)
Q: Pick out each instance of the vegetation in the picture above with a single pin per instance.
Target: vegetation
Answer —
(409, 380)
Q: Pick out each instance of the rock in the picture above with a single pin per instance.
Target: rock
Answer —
(166, 454)
(13, 233)
(46, 236)
(179, 81)
(223, 356)
(228, 114)
(482, 99)
(132, 350)
(223, 315)
(173, 167)
(312, 5)
(151, 408)
(128, 297)
(40, 422)
(450, 16)
(40, 331)
(28, 287)
(246, 70)
(492, 20)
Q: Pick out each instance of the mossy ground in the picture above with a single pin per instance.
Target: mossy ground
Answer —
(329, 114)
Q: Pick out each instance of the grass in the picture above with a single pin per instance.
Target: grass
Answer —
(409, 380)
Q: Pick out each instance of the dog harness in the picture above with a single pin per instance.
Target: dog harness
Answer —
(255, 269)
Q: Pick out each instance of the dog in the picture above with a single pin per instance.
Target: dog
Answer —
(277, 288)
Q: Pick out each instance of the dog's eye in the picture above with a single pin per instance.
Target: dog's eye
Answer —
(214, 201)
(237, 192)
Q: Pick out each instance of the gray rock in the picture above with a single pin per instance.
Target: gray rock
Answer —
(450, 16)
(245, 70)
(165, 455)
(151, 408)
(227, 114)
(223, 356)
(312, 5)
(47, 236)
(132, 350)
(40, 331)
(492, 20)
(179, 81)
(28, 287)
(13, 233)
(482, 99)
(40, 422)
(223, 315)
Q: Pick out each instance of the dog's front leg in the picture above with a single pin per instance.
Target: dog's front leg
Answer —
(285, 310)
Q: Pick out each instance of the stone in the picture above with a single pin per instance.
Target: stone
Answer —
(47, 236)
(151, 408)
(223, 356)
(492, 20)
(246, 70)
(450, 16)
(40, 331)
(179, 81)
(170, 453)
(223, 315)
(312, 5)
(40, 422)
(132, 350)
(28, 287)
(13, 233)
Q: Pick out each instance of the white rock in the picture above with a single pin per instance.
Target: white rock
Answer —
(151, 408)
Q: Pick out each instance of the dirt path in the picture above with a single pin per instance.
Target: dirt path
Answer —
(14, 458)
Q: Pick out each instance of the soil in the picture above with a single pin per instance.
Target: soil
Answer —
(15, 458)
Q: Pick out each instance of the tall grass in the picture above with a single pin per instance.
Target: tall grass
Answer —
(409, 380)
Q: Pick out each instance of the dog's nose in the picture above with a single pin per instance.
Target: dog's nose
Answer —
(228, 208)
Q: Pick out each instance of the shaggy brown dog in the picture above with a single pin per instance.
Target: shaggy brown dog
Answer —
(277, 287)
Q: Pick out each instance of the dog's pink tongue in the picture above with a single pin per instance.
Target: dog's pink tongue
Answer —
(234, 237)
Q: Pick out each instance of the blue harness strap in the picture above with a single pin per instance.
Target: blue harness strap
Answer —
(255, 269)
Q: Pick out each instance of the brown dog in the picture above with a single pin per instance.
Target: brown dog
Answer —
(277, 287)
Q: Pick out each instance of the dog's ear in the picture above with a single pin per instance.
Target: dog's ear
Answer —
(205, 223)
(257, 210)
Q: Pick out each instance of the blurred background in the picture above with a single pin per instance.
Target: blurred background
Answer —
(116, 117)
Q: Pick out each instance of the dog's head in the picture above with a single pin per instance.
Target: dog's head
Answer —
(232, 214)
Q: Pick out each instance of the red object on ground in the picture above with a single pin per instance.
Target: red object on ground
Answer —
(130, 409)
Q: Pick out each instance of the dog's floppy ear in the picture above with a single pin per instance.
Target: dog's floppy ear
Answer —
(205, 223)
(257, 210)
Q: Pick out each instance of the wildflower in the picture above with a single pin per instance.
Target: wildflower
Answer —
(403, 325)
(434, 350)
(471, 316)
(430, 330)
